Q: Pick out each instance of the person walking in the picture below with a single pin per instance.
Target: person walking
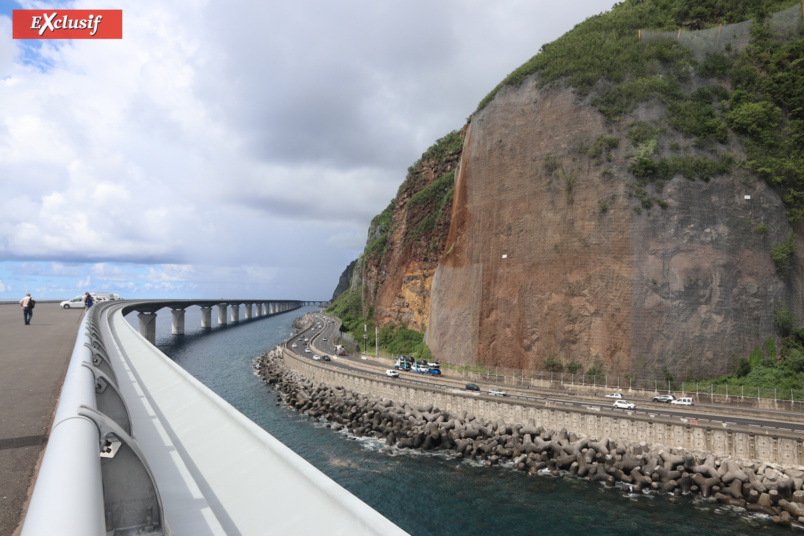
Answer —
(88, 301)
(27, 304)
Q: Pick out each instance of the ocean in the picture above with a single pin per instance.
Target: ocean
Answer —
(432, 494)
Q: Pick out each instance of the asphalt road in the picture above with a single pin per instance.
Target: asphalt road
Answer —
(716, 415)
(33, 362)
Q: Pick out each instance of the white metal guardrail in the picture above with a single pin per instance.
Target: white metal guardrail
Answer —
(209, 469)
(68, 491)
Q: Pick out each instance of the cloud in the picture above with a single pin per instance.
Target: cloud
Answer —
(228, 142)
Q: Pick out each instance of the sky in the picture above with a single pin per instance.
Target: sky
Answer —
(234, 149)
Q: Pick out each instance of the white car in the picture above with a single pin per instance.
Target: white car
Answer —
(75, 303)
(624, 404)
(306, 350)
(497, 392)
(392, 373)
(294, 345)
(614, 395)
(316, 357)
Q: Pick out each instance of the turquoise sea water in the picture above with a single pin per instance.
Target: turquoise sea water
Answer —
(429, 494)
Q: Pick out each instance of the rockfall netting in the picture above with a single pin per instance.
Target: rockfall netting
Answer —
(785, 25)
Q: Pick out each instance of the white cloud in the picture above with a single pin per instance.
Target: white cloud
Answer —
(237, 146)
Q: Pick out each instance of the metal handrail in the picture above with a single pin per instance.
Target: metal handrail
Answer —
(68, 495)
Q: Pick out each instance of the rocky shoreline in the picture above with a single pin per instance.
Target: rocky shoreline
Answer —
(757, 487)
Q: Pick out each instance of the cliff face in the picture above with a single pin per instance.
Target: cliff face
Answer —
(550, 252)
(612, 206)
(345, 281)
(405, 242)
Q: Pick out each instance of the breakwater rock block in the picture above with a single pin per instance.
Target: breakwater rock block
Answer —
(758, 487)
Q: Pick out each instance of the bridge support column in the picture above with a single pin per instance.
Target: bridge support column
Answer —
(147, 326)
(206, 317)
(247, 311)
(235, 314)
(222, 314)
(177, 328)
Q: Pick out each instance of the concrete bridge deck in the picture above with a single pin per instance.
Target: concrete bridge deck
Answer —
(33, 362)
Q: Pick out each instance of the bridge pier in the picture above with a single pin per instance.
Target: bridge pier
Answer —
(177, 327)
(235, 314)
(222, 314)
(206, 317)
(147, 326)
(247, 311)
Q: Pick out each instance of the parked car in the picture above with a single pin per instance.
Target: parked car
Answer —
(614, 395)
(472, 387)
(434, 371)
(624, 404)
(684, 401)
(392, 373)
(497, 392)
(664, 398)
(77, 302)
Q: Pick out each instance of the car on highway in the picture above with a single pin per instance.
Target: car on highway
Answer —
(323, 339)
(325, 357)
(684, 401)
(306, 350)
(472, 387)
(294, 345)
(316, 357)
(433, 371)
(497, 392)
(664, 398)
(392, 373)
(624, 404)
(614, 395)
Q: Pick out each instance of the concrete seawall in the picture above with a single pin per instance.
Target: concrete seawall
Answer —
(785, 448)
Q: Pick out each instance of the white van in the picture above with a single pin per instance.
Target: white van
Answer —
(684, 401)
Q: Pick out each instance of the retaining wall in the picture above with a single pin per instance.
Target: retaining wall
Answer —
(746, 443)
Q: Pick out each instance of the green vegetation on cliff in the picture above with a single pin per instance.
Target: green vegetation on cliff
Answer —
(394, 338)
(757, 91)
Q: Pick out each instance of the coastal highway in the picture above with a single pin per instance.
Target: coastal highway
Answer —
(322, 342)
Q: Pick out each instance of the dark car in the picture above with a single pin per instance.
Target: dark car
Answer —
(434, 371)
(325, 357)
(472, 387)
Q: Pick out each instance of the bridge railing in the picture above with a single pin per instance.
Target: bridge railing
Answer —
(93, 478)
(69, 491)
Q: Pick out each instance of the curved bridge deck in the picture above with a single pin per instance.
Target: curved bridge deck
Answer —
(215, 471)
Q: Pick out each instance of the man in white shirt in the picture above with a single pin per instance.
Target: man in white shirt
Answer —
(27, 304)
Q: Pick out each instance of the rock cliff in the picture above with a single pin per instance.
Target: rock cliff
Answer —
(639, 222)
(550, 253)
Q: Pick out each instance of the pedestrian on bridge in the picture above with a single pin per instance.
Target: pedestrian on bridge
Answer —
(88, 301)
(27, 304)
